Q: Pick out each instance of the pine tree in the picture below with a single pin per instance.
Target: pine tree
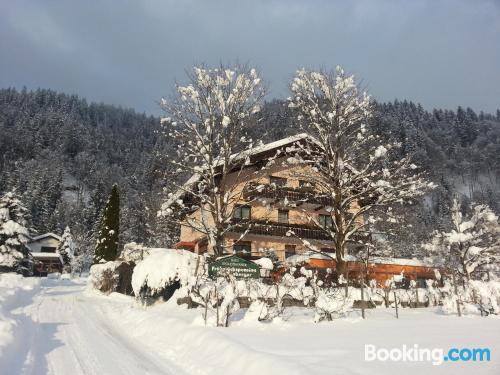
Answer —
(107, 243)
(14, 234)
(66, 248)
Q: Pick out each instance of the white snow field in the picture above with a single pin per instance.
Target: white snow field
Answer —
(59, 327)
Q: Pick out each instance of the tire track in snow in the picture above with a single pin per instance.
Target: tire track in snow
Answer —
(85, 341)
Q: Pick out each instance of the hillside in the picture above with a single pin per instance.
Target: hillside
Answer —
(63, 154)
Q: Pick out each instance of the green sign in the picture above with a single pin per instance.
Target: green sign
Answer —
(233, 264)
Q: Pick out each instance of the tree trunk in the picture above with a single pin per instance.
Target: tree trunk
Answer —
(396, 304)
(341, 266)
(362, 300)
(456, 294)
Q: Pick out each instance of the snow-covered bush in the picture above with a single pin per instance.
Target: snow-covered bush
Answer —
(103, 277)
(162, 269)
(474, 298)
(114, 276)
(332, 303)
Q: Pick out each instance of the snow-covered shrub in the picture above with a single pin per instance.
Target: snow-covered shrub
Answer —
(115, 276)
(332, 303)
(103, 277)
(475, 298)
(163, 271)
(218, 298)
(485, 295)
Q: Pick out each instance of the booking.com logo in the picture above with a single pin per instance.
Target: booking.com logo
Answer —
(437, 356)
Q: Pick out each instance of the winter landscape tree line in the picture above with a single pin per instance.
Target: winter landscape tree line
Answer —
(62, 155)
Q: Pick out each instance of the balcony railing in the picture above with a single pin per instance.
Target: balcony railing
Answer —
(297, 196)
(281, 230)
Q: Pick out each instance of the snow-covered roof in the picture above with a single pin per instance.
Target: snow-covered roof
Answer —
(46, 256)
(42, 236)
(241, 157)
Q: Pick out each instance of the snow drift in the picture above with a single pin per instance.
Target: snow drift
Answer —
(14, 291)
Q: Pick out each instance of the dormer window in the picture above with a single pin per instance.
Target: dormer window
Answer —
(242, 247)
(277, 181)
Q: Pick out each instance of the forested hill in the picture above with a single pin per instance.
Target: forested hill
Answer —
(63, 154)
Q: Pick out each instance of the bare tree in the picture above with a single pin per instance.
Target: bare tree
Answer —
(208, 118)
(356, 172)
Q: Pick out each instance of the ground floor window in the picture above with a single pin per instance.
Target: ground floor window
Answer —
(290, 250)
(421, 282)
(242, 247)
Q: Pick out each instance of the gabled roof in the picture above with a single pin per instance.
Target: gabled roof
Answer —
(42, 236)
(253, 155)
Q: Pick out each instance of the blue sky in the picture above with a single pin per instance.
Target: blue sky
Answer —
(438, 53)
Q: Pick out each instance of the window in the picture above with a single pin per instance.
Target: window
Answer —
(242, 213)
(48, 249)
(242, 247)
(325, 221)
(283, 216)
(290, 250)
(303, 184)
(400, 281)
(421, 282)
(278, 181)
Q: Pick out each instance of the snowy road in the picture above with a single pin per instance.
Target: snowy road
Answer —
(57, 327)
(71, 335)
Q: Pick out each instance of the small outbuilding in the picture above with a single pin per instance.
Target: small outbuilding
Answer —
(45, 256)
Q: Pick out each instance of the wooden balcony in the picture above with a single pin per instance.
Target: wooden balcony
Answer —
(268, 228)
(296, 196)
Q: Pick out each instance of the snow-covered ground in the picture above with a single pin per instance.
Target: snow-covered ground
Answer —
(59, 327)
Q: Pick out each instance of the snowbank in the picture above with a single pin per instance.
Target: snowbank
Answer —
(14, 290)
(180, 335)
(162, 267)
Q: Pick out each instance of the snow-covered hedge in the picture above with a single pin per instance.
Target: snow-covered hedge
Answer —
(162, 268)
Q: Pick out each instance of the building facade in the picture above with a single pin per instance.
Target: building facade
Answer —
(46, 259)
(279, 211)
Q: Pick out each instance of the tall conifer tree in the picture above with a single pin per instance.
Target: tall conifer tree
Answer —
(107, 242)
